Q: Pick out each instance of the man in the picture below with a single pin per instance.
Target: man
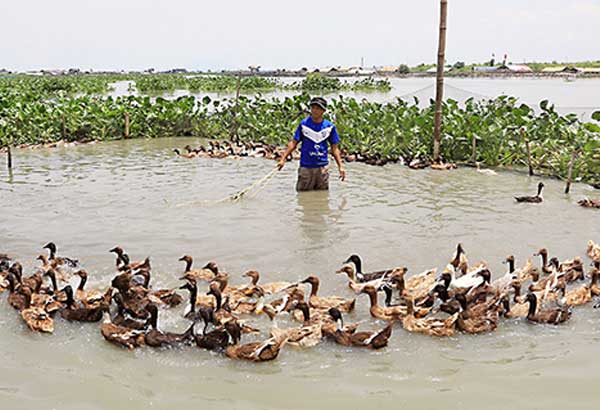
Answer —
(315, 133)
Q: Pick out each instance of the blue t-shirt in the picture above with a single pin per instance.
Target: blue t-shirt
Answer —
(315, 138)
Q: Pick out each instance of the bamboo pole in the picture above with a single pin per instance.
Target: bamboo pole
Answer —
(439, 95)
(234, 125)
(529, 164)
(126, 124)
(570, 172)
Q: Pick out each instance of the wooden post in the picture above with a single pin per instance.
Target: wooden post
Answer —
(234, 125)
(570, 172)
(9, 157)
(439, 95)
(126, 124)
(528, 152)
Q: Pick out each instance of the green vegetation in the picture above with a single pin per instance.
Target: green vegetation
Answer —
(219, 84)
(320, 82)
(50, 111)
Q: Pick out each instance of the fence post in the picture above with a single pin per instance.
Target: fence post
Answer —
(9, 157)
(528, 152)
(570, 172)
(126, 124)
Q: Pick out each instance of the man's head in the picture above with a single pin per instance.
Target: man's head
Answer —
(318, 105)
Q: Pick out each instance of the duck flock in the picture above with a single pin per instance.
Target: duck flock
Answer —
(462, 298)
(239, 149)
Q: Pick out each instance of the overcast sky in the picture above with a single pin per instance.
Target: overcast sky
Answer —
(195, 34)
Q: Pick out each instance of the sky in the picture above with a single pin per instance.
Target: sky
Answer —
(230, 34)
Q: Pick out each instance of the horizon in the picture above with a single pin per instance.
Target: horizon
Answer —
(134, 35)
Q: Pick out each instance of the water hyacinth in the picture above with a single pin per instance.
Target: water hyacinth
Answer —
(393, 131)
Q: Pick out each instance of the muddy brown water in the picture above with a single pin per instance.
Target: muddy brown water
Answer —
(90, 198)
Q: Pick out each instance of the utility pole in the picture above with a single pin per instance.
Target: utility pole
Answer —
(439, 95)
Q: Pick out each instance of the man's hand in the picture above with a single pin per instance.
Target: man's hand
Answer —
(342, 174)
(281, 163)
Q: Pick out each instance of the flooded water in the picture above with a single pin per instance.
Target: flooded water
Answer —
(579, 97)
(90, 198)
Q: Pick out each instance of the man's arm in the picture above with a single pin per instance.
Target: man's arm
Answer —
(290, 148)
(335, 151)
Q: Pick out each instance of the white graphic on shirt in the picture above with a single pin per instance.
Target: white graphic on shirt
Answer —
(316, 136)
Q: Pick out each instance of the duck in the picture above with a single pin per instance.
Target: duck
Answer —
(416, 286)
(459, 260)
(120, 335)
(348, 336)
(19, 297)
(157, 338)
(319, 302)
(87, 296)
(552, 316)
(528, 272)
(519, 309)
(543, 253)
(33, 282)
(76, 312)
(188, 155)
(356, 260)
(37, 319)
(46, 265)
(266, 350)
(583, 294)
(550, 282)
(215, 340)
(484, 171)
(430, 326)
(504, 282)
(593, 251)
(61, 260)
(572, 269)
(268, 288)
(392, 313)
(357, 287)
(207, 273)
(207, 302)
(121, 318)
(532, 199)
(222, 312)
(307, 335)
(464, 283)
(443, 166)
(589, 203)
(478, 324)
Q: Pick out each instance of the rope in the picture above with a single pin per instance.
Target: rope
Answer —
(256, 186)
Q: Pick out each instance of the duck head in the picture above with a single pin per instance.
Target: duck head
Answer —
(356, 260)
(117, 250)
(51, 248)
(554, 262)
(215, 291)
(254, 275)
(462, 300)
(486, 275)
(348, 269)
(17, 270)
(539, 188)
(68, 290)
(84, 276)
(303, 307)
(314, 283)
(336, 315)
(510, 262)
(212, 266)
(188, 262)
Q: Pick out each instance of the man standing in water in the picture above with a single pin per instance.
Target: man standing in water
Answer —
(315, 133)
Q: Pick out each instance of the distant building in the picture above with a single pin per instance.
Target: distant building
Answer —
(562, 69)
(254, 68)
(510, 68)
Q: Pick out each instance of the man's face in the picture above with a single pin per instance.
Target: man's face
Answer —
(316, 111)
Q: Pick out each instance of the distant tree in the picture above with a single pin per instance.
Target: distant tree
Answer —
(458, 65)
(403, 69)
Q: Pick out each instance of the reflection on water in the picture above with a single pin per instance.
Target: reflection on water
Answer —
(90, 198)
